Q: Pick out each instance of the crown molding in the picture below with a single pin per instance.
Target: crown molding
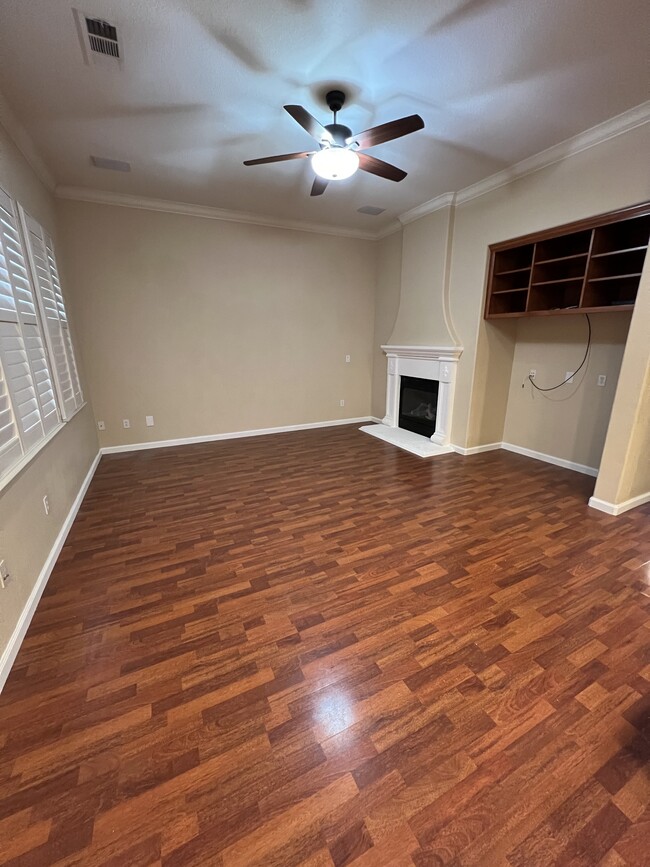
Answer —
(596, 135)
(611, 128)
(23, 141)
(103, 197)
(437, 204)
(390, 229)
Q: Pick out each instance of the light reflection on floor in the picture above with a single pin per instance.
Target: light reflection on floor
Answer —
(334, 713)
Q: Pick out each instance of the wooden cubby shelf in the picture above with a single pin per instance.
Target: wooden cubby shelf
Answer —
(588, 266)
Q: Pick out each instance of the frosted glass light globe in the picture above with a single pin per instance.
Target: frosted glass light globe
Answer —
(335, 163)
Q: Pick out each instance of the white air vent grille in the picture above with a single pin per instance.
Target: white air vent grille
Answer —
(371, 210)
(102, 37)
(112, 165)
(99, 43)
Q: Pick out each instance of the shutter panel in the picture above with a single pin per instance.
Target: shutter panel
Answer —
(54, 318)
(10, 447)
(18, 391)
(28, 317)
(65, 325)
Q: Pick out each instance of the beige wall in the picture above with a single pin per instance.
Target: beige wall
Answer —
(570, 422)
(423, 316)
(214, 327)
(26, 533)
(387, 296)
(609, 175)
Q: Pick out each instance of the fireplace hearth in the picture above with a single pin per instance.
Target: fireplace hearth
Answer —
(418, 405)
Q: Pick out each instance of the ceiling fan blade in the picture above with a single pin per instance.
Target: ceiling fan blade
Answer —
(379, 167)
(318, 187)
(308, 122)
(387, 131)
(278, 159)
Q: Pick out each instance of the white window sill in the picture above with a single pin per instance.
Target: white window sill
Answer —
(29, 456)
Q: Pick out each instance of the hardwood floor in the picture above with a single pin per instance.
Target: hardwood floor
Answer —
(313, 648)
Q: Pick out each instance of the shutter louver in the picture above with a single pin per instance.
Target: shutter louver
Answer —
(54, 317)
(20, 409)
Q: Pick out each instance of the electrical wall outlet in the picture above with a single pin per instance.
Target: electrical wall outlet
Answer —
(347, 359)
(149, 420)
(4, 573)
(101, 425)
(341, 403)
(532, 373)
(46, 504)
(568, 376)
(126, 422)
(602, 379)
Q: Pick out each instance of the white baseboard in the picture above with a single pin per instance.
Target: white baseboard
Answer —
(187, 441)
(618, 508)
(551, 459)
(476, 450)
(13, 645)
(374, 419)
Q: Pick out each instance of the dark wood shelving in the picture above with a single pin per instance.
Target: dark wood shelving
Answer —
(512, 271)
(561, 280)
(613, 277)
(589, 266)
(561, 258)
(617, 252)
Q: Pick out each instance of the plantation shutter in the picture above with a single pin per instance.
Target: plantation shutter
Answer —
(21, 425)
(65, 326)
(52, 306)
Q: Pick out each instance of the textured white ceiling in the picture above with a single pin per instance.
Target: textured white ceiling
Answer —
(204, 81)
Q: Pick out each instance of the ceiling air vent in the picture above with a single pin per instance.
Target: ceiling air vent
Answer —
(99, 43)
(371, 210)
(111, 165)
(102, 37)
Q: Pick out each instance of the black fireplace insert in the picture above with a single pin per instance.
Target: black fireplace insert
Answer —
(418, 403)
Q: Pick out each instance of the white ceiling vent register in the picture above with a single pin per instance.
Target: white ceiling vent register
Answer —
(99, 43)
(110, 164)
(371, 210)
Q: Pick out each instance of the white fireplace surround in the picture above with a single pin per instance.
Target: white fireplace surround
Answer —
(426, 362)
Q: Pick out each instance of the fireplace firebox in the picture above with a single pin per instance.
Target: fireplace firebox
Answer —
(418, 403)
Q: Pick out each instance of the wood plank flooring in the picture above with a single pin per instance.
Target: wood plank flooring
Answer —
(313, 648)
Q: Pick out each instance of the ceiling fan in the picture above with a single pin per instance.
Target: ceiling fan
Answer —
(340, 154)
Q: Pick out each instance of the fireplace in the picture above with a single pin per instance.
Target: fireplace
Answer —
(418, 405)
(419, 398)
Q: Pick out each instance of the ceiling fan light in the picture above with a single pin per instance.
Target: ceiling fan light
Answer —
(335, 163)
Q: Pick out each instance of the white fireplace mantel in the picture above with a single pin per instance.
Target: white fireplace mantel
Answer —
(426, 362)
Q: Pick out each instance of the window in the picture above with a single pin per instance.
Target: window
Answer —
(39, 382)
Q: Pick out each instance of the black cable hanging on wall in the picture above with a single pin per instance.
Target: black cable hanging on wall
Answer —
(582, 364)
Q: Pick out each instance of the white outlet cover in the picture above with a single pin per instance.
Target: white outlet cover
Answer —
(126, 422)
(149, 420)
(602, 379)
(101, 425)
(347, 359)
(341, 403)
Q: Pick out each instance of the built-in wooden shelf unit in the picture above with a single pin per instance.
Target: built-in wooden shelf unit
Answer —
(588, 266)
